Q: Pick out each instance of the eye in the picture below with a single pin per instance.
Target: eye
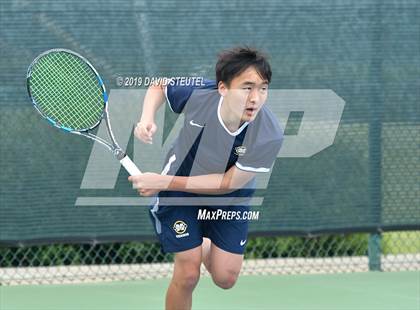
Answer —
(247, 88)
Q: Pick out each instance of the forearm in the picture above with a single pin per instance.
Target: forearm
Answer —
(153, 100)
(211, 184)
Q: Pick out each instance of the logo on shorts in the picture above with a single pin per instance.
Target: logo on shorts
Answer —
(180, 228)
(240, 150)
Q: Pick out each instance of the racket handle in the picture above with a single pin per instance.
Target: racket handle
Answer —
(130, 166)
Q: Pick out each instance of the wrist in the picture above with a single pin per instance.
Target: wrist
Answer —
(166, 181)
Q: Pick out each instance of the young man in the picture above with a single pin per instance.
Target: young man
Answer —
(228, 136)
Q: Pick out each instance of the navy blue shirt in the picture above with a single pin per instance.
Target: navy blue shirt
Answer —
(206, 146)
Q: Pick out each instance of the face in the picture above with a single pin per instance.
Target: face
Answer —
(246, 94)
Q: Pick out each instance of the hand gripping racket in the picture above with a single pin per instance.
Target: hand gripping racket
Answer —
(68, 92)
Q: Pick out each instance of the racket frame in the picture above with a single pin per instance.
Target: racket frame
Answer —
(113, 146)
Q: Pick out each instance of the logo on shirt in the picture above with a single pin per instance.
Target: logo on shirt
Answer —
(242, 243)
(240, 150)
(180, 228)
(192, 123)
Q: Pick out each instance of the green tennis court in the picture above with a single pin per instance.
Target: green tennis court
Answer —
(367, 291)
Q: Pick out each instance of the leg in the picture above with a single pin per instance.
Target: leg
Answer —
(225, 253)
(225, 267)
(206, 250)
(185, 278)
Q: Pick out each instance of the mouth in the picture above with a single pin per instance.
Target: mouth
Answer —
(250, 111)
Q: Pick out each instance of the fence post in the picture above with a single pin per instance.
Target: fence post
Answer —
(374, 252)
(376, 108)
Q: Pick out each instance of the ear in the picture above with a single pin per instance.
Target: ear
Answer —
(222, 88)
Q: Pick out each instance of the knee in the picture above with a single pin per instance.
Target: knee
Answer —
(226, 280)
(188, 279)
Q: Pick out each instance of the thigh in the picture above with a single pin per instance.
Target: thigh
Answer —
(224, 263)
(187, 267)
(187, 260)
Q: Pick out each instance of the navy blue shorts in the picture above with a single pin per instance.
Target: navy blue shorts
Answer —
(179, 229)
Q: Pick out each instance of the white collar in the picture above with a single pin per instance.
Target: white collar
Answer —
(238, 131)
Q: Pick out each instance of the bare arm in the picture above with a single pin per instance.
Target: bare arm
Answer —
(211, 184)
(153, 100)
(232, 180)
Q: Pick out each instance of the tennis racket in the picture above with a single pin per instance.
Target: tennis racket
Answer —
(68, 92)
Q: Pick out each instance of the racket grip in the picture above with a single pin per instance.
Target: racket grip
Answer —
(130, 166)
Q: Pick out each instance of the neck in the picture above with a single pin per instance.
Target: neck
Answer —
(231, 121)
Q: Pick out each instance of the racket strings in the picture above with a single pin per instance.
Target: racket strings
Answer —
(48, 93)
(77, 80)
(60, 94)
(67, 90)
(76, 77)
(87, 80)
(64, 90)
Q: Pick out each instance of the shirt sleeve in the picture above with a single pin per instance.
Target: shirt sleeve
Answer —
(178, 91)
(260, 158)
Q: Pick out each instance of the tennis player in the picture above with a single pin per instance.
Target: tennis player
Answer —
(228, 136)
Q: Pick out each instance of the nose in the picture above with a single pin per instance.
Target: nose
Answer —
(254, 96)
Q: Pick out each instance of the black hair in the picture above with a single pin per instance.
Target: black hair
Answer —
(234, 61)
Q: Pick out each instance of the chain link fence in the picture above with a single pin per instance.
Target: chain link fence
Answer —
(332, 253)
